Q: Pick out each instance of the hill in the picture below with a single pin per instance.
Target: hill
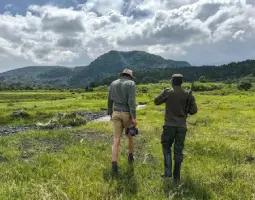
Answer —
(116, 61)
(28, 71)
(105, 65)
(229, 72)
(35, 76)
(148, 68)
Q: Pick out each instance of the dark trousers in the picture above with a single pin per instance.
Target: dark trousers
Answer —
(176, 136)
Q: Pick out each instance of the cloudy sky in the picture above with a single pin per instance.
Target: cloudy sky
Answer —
(75, 32)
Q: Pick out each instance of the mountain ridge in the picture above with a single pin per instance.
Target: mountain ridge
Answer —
(28, 71)
(106, 64)
(147, 68)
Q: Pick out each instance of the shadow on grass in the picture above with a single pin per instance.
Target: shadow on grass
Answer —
(126, 180)
(186, 189)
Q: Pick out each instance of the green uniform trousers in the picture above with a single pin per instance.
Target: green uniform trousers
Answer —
(174, 135)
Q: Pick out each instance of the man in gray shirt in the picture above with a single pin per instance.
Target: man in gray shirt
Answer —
(122, 109)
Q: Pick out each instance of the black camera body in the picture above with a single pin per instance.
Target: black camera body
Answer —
(132, 131)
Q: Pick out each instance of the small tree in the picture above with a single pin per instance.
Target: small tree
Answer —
(244, 85)
(202, 79)
(228, 81)
(147, 80)
(92, 85)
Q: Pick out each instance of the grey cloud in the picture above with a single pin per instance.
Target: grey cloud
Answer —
(48, 54)
(132, 8)
(42, 52)
(202, 22)
(98, 45)
(207, 10)
(115, 17)
(8, 33)
(166, 28)
(67, 42)
(215, 28)
(62, 24)
(3, 51)
(252, 2)
(177, 3)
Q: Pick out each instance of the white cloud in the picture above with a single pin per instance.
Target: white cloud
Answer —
(171, 28)
(239, 35)
(103, 6)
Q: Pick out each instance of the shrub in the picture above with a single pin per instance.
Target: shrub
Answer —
(202, 79)
(72, 121)
(206, 87)
(228, 81)
(88, 89)
(143, 89)
(103, 88)
(146, 80)
(244, 85)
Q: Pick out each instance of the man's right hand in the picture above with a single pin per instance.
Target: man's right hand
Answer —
(134, 121)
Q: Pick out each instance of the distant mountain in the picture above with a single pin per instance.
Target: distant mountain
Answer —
(231, 72)
(148, 69)
(105, 65)
(57, 72)
(28, 71)
(115, 61)
(36, 76)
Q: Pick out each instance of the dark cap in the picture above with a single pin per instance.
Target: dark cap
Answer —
(177, 79)
(177, 76)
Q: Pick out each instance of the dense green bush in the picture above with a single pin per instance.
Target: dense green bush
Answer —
(207, 87)
(244, 85)
(202, 79)
(72, 121)
(103, 88)
(143, 89)
(147, 80)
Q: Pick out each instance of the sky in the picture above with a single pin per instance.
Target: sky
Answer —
(75, 32)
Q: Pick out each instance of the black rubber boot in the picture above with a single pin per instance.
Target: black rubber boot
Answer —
(177, 172)
(115, 169)
(167, 165)
(130, 158)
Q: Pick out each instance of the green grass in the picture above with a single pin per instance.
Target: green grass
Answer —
(76, 164)
(43, 106)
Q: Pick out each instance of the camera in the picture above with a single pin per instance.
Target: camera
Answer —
(132, 131)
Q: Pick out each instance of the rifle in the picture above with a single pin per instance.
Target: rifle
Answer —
(189, 98)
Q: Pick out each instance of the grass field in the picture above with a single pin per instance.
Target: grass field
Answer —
(75, 163)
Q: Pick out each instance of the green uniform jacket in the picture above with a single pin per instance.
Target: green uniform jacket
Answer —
(122, 96)
(176, 100)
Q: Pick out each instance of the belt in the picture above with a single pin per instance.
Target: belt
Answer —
(119, 110)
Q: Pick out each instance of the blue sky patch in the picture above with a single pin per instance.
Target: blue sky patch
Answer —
(20, 7)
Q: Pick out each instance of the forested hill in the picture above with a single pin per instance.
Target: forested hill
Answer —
(28, 71)
(231, 72)
(148, 68)
(115, 61)
(107, 64)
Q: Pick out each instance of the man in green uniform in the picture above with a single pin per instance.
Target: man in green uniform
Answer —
(177, 101)
(122, 109)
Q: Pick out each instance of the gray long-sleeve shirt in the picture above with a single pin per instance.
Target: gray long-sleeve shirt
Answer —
(176, 100)
(122, 96)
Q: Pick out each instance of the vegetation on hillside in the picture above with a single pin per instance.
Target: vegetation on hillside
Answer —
(28, 71)
(232, 72)
(148, 68)
(110, 63)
